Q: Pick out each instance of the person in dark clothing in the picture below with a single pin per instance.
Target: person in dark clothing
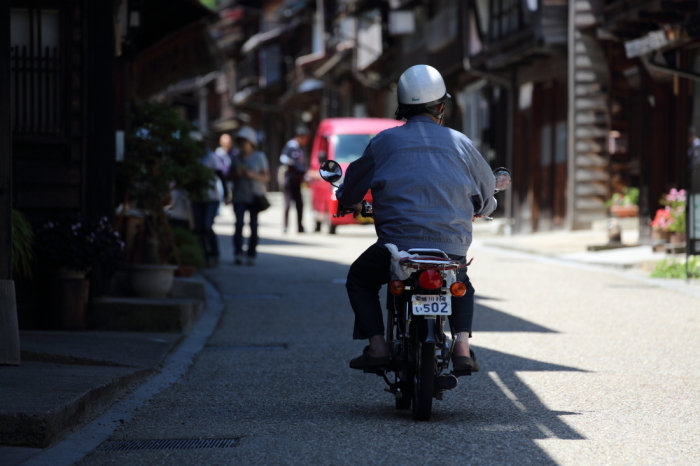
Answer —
(249, 172)
(204, 212)
(295, 161)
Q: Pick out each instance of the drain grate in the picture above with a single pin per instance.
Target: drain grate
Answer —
(171, 444)
(244, 348)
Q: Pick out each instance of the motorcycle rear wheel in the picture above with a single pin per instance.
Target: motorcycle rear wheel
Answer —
(406, 393)
(423, 380)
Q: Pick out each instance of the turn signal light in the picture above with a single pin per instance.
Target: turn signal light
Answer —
(430, 280)
(458, 289)
(396, 287)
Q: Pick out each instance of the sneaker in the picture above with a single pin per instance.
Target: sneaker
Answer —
(238, 259)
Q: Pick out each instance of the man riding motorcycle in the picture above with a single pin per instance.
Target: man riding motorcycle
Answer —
(428, 183)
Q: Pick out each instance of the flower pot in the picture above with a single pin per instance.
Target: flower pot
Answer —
(621, 211)
(676, 238)
(659, 238)
(185, 271)
(72, 303)
(151, 281)
(660, 235)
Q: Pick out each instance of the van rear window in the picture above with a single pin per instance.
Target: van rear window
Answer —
(349, 147)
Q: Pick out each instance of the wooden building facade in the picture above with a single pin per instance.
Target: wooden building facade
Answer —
(73, 70)
(62, 106)
(653, 54)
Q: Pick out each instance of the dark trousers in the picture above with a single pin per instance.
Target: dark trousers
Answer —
(239, 210)
(372, 270)
(203, 214)
(292, 192)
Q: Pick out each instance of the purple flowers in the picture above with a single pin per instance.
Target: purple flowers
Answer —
(79, 242)
(675, 195)
(672, 217)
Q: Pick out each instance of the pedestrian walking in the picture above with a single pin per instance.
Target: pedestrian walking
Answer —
(293, 158)
(249, 173)
(204, 212)
(225, 152)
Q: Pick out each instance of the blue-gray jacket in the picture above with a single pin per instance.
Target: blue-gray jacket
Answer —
(427, 182)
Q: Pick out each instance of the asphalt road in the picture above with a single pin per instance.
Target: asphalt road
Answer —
(579, 367)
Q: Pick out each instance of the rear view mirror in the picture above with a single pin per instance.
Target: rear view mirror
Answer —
(330, 171)
(503, 178)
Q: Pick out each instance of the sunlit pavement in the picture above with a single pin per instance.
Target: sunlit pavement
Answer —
(579, 367)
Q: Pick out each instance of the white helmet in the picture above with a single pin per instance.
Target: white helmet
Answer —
(249, 134)
(421, 85)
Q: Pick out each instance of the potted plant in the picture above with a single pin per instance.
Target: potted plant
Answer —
(624, 204)
(73, 246)
(675, 204)
(160, 154)
(189, 247)
(669, 223)
(660, 233)
(22, 248)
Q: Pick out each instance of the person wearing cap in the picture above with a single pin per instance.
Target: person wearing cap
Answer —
(293, 158)
(428, 183)
(249, 172)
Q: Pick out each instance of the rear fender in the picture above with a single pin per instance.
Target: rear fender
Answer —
(426, 330)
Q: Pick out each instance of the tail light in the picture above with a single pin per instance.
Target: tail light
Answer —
(396, 287)
(458, 289)
(430, 280)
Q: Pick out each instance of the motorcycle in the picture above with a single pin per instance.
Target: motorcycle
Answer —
(418, 303)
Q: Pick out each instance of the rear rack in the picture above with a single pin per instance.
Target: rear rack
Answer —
(429, 263)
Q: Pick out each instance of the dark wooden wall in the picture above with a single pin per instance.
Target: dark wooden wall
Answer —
(100, 138)
(70, 166)
(5, 148)
(539, 193)
(659, 116)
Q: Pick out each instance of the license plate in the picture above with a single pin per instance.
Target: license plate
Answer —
(432, 305)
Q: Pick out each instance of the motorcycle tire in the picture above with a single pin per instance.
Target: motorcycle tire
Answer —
(423, 380)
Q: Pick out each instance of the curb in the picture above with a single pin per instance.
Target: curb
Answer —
(84, 440)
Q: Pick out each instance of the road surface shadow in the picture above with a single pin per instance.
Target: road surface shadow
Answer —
(488, 319)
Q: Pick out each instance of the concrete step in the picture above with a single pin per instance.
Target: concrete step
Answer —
(146, 315)
(68, 378)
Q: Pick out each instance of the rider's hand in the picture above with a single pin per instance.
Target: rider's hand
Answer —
(477, 216)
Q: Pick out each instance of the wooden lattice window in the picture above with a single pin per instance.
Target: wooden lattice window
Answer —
(506, 17)
(36, 86)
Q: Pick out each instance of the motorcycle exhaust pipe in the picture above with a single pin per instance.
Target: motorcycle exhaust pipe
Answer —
(446, 382)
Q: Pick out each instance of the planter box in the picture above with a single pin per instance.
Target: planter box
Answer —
(623, 211)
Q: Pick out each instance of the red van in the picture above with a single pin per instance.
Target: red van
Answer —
(343, 140)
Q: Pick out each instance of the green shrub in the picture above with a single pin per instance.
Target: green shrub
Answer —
(189, 248)
(671, 268)
(22, 249)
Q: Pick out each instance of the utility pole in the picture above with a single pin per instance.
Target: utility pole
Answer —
(9, 333)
